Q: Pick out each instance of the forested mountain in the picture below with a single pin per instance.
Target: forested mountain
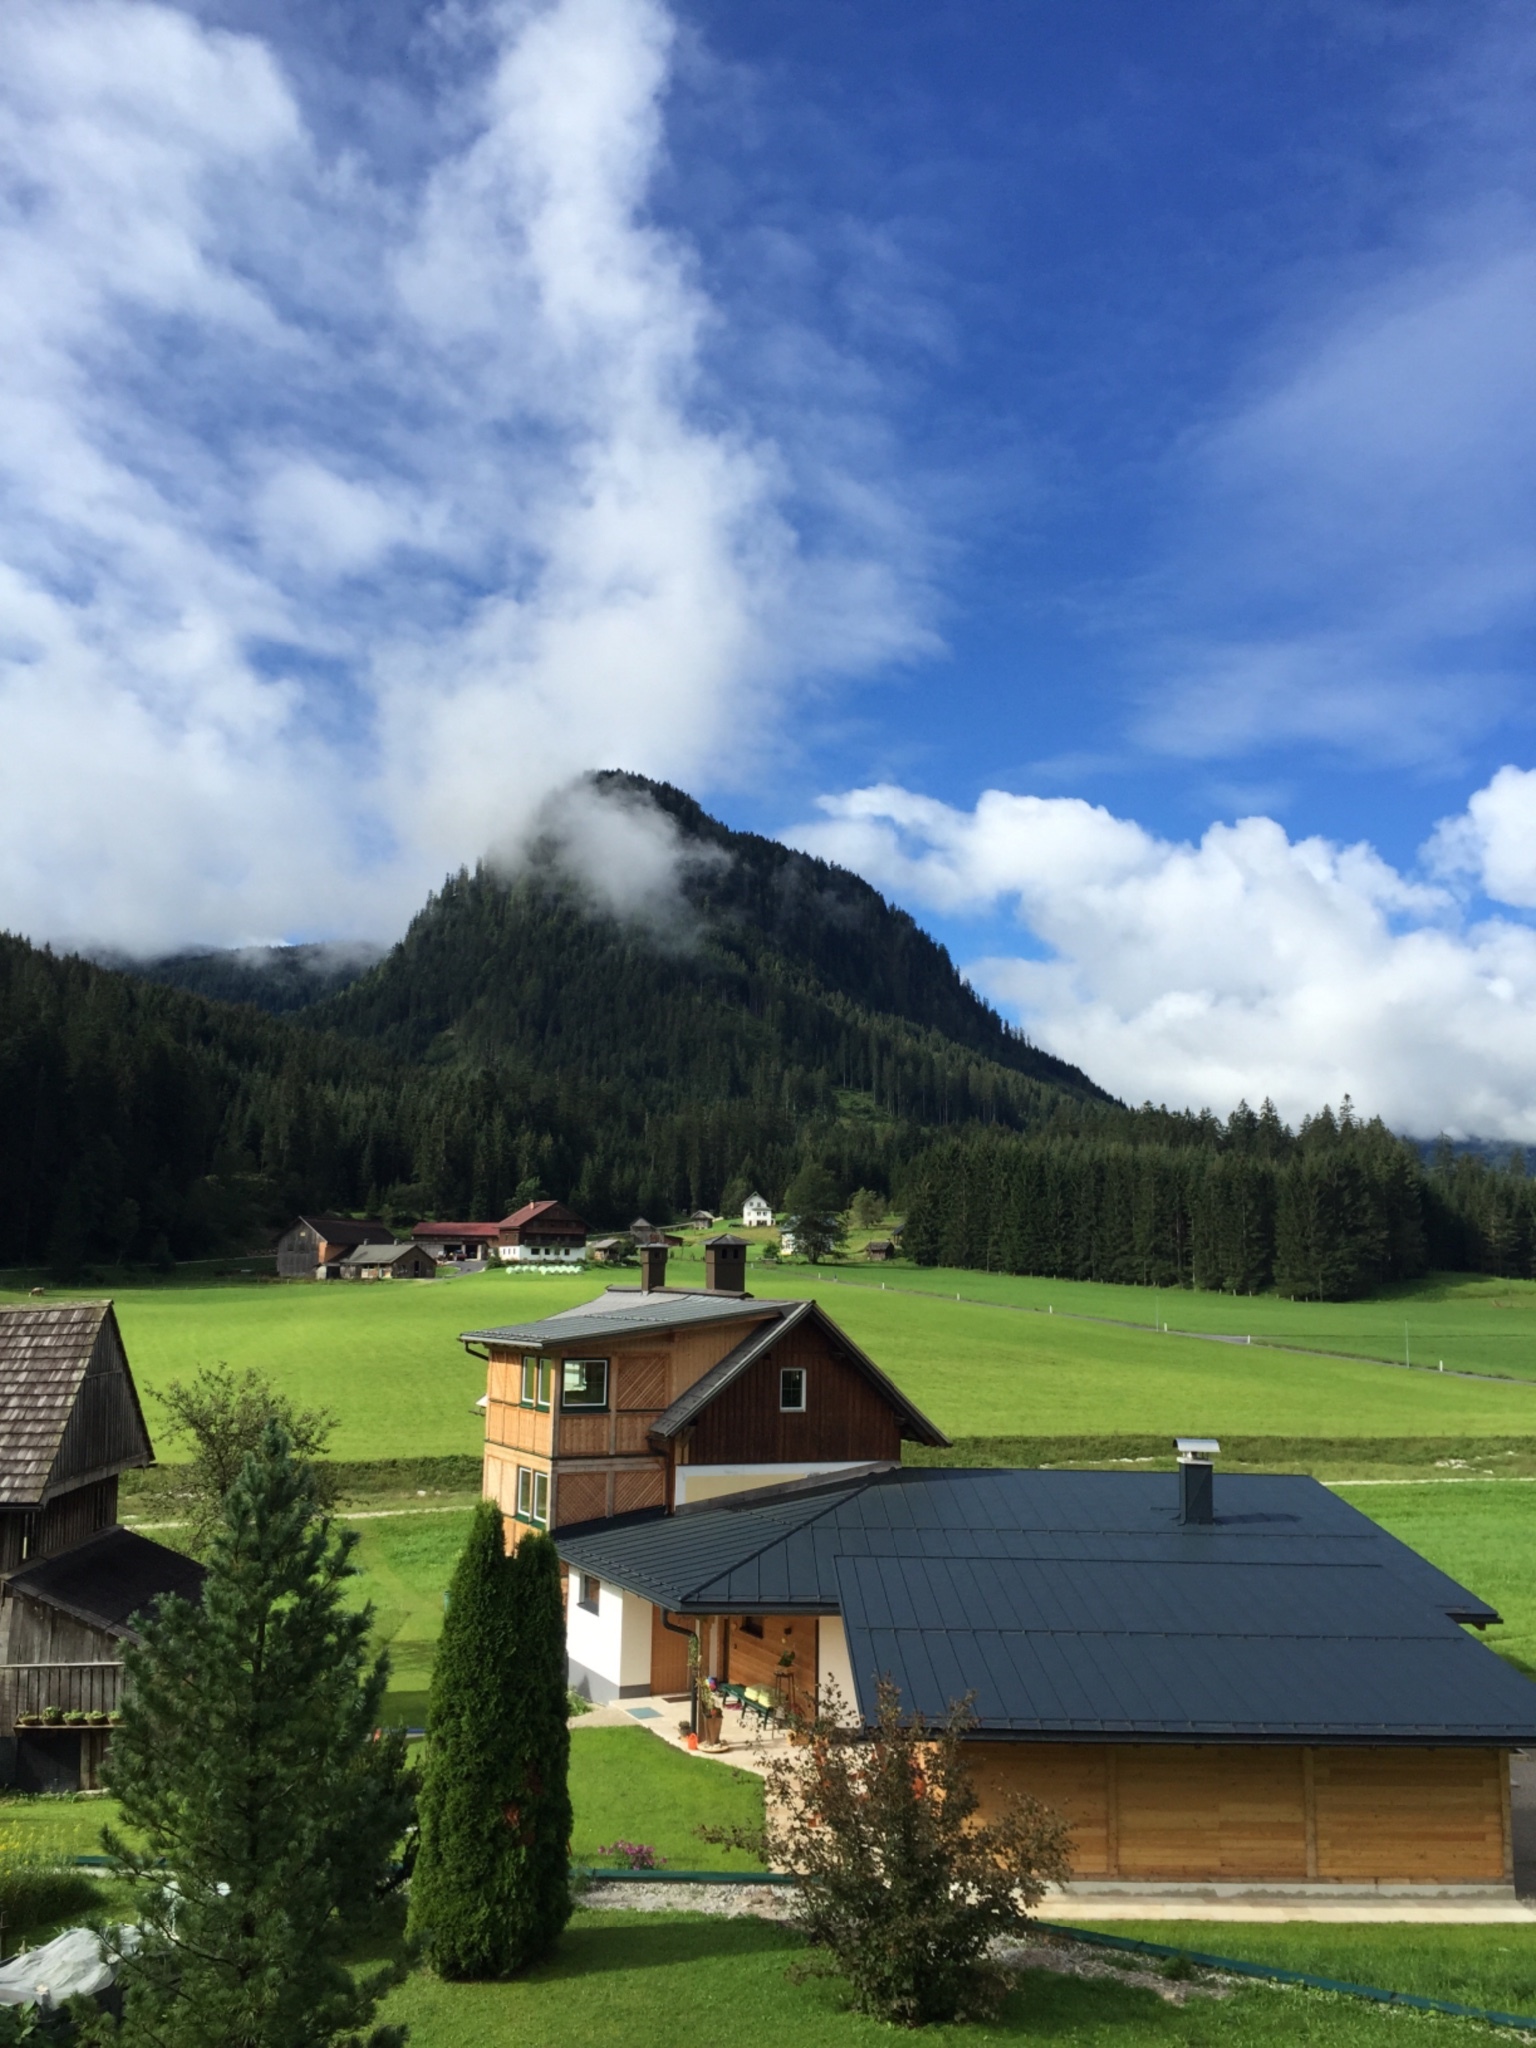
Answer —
(274, 978)
(515, 1039)
(1172, 1200)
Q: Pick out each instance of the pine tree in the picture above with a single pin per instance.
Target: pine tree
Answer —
(491, 1890)
(249, 1765)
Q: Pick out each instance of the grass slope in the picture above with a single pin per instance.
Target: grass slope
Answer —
(387, 1360)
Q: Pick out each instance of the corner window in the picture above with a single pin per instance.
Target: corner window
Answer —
(589, 1593)
(584, 1383)
(792, 1389)
(530, 1381)
(524, 1494)
(546, 1383)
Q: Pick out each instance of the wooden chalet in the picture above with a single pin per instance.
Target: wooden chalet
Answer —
(71, 1579)
(388, 1262)
(313, 1247)
(653, 1397)
(542, 1234)
(1251, 1686)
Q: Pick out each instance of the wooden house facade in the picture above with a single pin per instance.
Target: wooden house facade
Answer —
(71, 1579)
(542, 1234)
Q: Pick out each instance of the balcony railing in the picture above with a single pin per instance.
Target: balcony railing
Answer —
(76, 1688)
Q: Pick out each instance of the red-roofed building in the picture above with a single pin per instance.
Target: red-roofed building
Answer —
(542, 1234)
(458, 1240)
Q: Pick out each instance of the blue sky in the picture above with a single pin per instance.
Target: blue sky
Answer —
(1073, 464)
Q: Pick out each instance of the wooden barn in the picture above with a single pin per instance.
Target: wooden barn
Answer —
(388, 1262)
(1262, 1690)
(71, 1579)
(312, 1247)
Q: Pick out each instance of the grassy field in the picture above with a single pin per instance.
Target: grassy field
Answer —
(386, 1359)
(630, 1980)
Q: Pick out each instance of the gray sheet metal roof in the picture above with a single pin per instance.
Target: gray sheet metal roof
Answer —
(623, 1311)
(109, 1579)
(45, 1354)
(1074, 1605)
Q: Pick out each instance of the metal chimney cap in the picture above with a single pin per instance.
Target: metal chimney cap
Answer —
(1196, 1447)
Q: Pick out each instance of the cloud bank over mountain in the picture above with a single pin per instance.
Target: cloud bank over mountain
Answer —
(1199, 973)
(350, 506)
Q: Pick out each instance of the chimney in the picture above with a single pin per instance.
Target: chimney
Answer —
(725, 1265)
(1196, 1477)
(653, 1267)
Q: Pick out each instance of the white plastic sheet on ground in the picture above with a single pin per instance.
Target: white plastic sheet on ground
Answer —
(72, 1965)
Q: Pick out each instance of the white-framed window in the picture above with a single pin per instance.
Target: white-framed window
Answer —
(792, 1389)
(530, 1380)
(533, 1497)
(589, 1593)
(584, 1383)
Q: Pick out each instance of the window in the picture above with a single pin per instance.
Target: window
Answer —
(792, 1388)
(546, 1383)
(584, 1383)
(752, 1625)
(530, 1381)
(589, 1593)
(533, 1497)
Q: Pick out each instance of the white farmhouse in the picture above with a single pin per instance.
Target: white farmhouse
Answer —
(755, 1211)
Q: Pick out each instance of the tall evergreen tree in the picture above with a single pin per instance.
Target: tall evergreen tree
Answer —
(249, 1765)
(491, 1890)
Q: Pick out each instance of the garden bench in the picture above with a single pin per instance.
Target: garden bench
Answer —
(752, 1699)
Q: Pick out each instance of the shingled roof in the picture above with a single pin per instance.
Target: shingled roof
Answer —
(69, 1411)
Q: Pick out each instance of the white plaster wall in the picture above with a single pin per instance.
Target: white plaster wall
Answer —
(708, 1482)
(594, 1643)
(832, 1658)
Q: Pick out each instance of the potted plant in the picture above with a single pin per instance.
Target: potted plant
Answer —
(710, 1716)
(76, 1718)
(100, 1719)
(53, 1717)
(29, 1720)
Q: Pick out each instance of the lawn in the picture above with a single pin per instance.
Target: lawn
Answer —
(386, 1359)
(625, 1785)
(630, 1980)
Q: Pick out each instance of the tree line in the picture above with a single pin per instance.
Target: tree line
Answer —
(1153, 1198)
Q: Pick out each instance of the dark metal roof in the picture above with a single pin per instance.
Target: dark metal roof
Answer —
(47, 1355)
(109, 1579)
(623, 1312)
(1075, 1605)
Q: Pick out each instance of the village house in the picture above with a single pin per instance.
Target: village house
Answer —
(542, 1234)
(313, 1247)
(755, 1213)
(1245, 1683)
(388, 1262)
(71, 1579)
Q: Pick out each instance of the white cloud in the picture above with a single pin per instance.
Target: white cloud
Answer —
(1494, 840)
(1247, 964)
(342, 518)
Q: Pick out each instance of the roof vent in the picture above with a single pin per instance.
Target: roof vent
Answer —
(1196, 1477)
(653, 1267)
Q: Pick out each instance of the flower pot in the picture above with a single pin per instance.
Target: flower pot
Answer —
(710, 1728)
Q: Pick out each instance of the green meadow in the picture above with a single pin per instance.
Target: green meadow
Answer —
(386, 1360)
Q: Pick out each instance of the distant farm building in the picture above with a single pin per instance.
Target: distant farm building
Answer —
(458, 1240)
(389, 1262)
(314, 1247)
(880, 1248)
(643, 1231)
(756, 1213)
(542, 1234)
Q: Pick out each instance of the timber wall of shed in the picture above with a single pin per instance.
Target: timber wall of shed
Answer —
(1222, 1814)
